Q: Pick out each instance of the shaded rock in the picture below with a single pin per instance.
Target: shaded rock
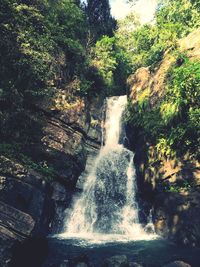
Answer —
(16, 220)
(32, 252)
(177, 218)
(7, 241)
(26, 191)
(80, 261)
(178, 264)
(61, 197)
(25, 206)
(116, 261)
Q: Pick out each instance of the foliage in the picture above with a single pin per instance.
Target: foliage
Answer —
(99, 17)
(183, 185)
(182, 13)
(41, 167)
(14, 151)
(25, 51)
(105, 58)
(145, 44)
(111, 63)
(47, 46)
(42, 49)
(124, 32)
(43, 54)
(173, 125)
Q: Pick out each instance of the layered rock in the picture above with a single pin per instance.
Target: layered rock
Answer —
(32, 204)
(25, 206)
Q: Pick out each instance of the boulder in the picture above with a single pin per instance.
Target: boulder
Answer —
(80, 261)
(178, 264)
(116, 261)
(81, 264)
(134, 264)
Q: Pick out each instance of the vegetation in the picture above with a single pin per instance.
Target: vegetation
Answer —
(47, 47)
(178, 187)
(172, 125)
(112, 63)
(99, 19)
(134, 45)
(15, 151)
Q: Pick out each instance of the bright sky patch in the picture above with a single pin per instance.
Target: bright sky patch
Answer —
(145, 8)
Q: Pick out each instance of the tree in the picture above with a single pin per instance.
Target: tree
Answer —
(99, 18)
(41, 46)
(125, 29)
(112, 63)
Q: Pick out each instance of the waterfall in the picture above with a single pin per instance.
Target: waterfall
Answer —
(107, 206)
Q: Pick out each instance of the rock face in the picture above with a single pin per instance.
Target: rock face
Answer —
(32, 204)
(177, 217)
(175, 212)
(25, 206)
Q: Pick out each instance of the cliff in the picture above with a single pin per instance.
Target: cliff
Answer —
(169, 181)
(35, 193)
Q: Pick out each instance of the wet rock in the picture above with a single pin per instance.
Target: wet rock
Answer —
(80, 261)
(178, 264)
(134, 264)
(81, 264)
(7, 241)
(63, 265)
(116, 261)
(61, 198)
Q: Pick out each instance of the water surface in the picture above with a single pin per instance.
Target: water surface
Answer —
(149, 253)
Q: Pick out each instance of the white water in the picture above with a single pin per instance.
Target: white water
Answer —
(107, 209)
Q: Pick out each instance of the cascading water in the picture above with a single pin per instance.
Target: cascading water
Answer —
(107, 207)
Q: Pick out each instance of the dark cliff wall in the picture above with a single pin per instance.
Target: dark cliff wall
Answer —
(32, 204)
